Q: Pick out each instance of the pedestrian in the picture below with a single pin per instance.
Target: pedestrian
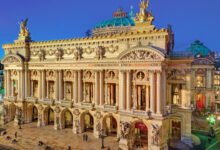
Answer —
(16, 134)
(86, 136)
(83, 137)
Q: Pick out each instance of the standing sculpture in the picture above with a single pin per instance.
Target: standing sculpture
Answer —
(156, 132)
(24, 33)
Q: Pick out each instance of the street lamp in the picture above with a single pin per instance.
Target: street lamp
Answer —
(102, 136)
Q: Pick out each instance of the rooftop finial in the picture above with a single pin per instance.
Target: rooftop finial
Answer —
(131, 14)
(144, 15)
(24, 33)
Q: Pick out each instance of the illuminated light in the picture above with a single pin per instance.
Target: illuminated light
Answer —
(211, 119)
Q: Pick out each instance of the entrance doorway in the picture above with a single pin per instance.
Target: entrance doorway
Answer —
(176, 130)
(110, 126)
(34, 114)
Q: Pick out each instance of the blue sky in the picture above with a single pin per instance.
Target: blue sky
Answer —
(59, 19)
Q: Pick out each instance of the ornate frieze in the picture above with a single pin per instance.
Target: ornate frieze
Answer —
(203, 61)
(59, 54)
(10, 60)
(141, 55)
(100, 52)
(78, 53)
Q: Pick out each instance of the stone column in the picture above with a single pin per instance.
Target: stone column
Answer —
(128, 90)
(27, 82)
(12, 88)
(152, 92)
(40, 85)
(80, 86)
(209, 78)
(84, 92)
(60, 85)
(6, 82)
(117, 95)
(147, 97)
(139, 97)
(9, 82)
(32, 89)
(106, 93)
(23, 85)
(43, 84)
(75, 89)
(101, 87)
(47, 89)
(57, 86)
(109, 95)
(164, 88)
(96, 88)
(159, 93)
(19, 84)
(122, 87)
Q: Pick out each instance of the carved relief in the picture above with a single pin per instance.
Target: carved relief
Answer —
(78, 53)
(89, 50)
(156, 134)
(11, 59)
(112, 49)
(41, 55)
(100, 52)
(59, 54)
(68, 51)
(50, 52)
(202, 61)
(125, 129)
(141, 55)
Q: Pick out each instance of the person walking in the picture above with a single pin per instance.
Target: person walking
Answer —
(16, 134)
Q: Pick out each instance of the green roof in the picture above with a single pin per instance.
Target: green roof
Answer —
(198, 48)
(116, 22)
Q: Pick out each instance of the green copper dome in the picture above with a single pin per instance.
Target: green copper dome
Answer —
(198, 48)
(120, 19)
(116, 22)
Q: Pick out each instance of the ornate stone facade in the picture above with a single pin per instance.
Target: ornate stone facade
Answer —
(125, 83)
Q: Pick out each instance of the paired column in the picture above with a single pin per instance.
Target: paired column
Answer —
(128, 90)
(75, 87)
(60, 85)
(80, 88)
(57, 86)
(5, 83)
(122, 89)
(43, 84)
(101, 87)
(97, 88)
(147, 97)
(159, 92)
(152, 92)
(27, 82)
(40, 85)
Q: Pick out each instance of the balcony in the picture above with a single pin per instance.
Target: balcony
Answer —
(32, 99)
(11, 98)
(86, 105)
(111, 108)
(65, 103)
(140, 113)
(47, 101)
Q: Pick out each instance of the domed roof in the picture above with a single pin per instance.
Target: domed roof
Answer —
(120, 19)
(116, 22)
(198, 48)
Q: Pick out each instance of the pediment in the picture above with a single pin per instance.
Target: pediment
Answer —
(203, 61)
(9, 59)
(142, 54)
